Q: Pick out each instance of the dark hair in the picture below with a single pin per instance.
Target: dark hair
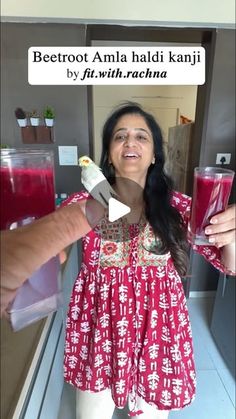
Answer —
(164, 219)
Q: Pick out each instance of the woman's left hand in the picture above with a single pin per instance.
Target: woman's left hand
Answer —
(221, 230)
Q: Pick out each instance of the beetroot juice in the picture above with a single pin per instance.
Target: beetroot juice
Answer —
(27, 193)
(211, 191)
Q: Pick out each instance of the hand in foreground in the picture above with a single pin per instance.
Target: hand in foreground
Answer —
(25, 249)
(221, 231)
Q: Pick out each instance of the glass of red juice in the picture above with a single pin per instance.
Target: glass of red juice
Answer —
(28, 193)
(211, 191)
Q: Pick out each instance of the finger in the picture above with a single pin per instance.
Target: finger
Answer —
(7, 295)
(94, 212)
(222, 239)
(224, 216)
(62, 256)
(220, 227)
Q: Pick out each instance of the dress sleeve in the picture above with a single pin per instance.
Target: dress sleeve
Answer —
(183, 205)
(211, 253)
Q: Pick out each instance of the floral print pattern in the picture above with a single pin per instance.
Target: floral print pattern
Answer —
(128, 326)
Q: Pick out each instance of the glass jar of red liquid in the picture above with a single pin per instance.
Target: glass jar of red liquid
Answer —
(211, 191)
(28, 193)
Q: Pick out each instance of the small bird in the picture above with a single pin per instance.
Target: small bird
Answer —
(95, 182)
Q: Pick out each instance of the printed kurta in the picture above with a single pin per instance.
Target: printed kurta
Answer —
(128, 326)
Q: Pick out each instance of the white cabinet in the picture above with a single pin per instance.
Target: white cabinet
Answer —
(179, 159)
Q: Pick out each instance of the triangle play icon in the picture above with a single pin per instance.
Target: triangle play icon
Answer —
(116, 210)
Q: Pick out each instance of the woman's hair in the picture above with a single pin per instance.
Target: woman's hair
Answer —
(165, 220)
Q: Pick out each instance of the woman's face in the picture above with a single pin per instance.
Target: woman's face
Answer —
(131, 147)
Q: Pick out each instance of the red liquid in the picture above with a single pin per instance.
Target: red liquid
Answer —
(210, 197)
(25, 193)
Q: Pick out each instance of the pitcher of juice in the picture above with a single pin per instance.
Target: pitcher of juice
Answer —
(28, 193)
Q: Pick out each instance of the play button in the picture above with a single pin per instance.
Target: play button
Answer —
(116, 210)
(121, 216)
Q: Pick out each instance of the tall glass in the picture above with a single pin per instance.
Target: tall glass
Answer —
(28, 193)
(211, 191)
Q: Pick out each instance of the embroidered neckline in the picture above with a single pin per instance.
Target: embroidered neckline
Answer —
(140, 223)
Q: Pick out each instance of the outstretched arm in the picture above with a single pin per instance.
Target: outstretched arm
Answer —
(25, 249)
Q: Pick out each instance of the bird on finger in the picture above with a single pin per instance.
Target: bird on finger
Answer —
(95, 182)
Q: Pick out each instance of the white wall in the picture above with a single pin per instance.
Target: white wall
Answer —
(201, 11)
(166, 103)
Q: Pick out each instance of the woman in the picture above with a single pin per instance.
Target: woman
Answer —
(128, 334)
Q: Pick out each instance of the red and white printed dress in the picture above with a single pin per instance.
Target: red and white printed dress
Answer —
(128, 326)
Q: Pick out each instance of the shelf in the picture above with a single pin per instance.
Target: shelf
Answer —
(37, 135)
